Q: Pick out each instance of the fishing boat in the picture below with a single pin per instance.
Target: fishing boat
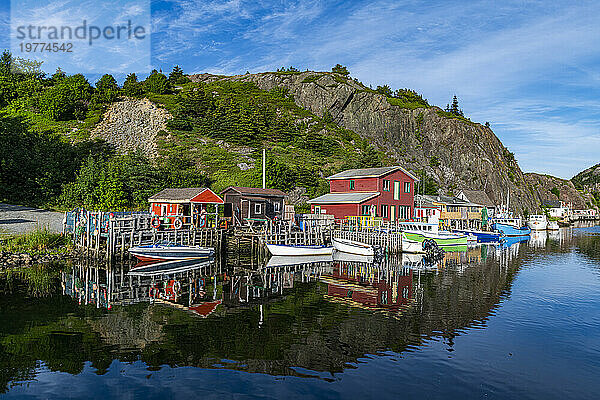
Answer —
(537, 222)
(482, 236)
(353, 247)
(421, 231)
(281, 261)
(510, 227)
(289, 250)
(169, 267)
(158, 252)
(553, 226)
(411, 246)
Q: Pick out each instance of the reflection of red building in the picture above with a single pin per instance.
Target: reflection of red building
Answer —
(358, 284)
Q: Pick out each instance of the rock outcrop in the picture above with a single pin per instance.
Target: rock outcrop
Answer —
(544, 186)
(132, 124)
(457, 154)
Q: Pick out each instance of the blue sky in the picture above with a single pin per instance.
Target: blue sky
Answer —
(530, 68)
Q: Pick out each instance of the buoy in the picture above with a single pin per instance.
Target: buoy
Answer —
(178, 223)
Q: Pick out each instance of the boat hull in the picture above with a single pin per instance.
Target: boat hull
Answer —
(441, 240)
(353, 247)
(482, 237)
(553, 226)
(509, 230)
(537, 225)
(166, 253)
(283, 250)
(411, 246)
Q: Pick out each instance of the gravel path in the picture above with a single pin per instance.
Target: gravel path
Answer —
(20, 219)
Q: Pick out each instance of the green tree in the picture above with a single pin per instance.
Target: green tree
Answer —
(384, 90)
(454, 108)
(340, 69)
(157, 83)
(66, 100)
(555, 191)
(6, 61)
(177, 77)
(107, 89)
(131, 86)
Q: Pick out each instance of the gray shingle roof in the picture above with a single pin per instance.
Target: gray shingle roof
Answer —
(478, 197)
(551, 203)
(248, 191)
(335, 198)
(370, 173)
(176, 194)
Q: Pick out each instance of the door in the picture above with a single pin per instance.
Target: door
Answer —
(392, 213)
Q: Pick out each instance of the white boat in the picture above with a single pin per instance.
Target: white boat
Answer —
(287, 250)
(537, 222)
(353, 247)
(553, 226)
(164, 252)
(411, 246)
(170, 267)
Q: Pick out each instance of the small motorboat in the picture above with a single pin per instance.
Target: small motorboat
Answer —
(553, 226)
(411, 246)
(353, 247)
(537, 222)
(158, 252)
(482, 236)
(291, 250)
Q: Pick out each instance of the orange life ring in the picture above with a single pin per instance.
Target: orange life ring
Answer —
(155, 223)
(178, 223)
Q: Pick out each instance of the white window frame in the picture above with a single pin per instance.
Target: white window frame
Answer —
(407, 184)
(257, 206)
(396, 190)
(384, 210)
(386, 185)
(277, 206)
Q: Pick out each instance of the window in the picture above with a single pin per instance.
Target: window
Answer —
(396, 190)
(257, 208)
(384, 210)
(406, 187)
(277, 206)
(365, 209)
(317, 209)
(163, 209)
(351, 185)
(393, 213)
(386, 185)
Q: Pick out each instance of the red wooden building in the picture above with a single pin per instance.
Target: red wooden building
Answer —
(386, 192)
(192, 206)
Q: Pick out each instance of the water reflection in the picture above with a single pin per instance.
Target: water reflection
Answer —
(301, 317)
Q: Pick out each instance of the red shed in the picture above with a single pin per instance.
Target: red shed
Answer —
(193, 206)
(386, 192)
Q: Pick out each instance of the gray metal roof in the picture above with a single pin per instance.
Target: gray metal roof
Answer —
(176, 194)
(478, 197)
(335, 198)
(370, 173)
(248, 191)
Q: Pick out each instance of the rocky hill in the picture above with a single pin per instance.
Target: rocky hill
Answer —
(588, 179)
(455, 152)
(548, 187)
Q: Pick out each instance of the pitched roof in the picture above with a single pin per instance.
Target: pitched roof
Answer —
(449, 200)
(185, 195)
(370, 173)
(422, 202)
(336, 198)
(478, 197)
(552, 203)
(248, 191)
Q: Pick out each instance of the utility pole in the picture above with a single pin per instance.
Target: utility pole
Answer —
(264, 171)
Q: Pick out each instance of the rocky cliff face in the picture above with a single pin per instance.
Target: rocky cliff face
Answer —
(132, 124)
(543, 185)
(589, 179)
(458, 154)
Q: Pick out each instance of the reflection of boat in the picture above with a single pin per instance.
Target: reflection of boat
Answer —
(537, 222)
(169, 267)
(412, 260)
(285, 250)
(353, 247)
(279, 261)
(553, 226)
(155, 252)
(482, 236)
(509, 241)
(347, 257)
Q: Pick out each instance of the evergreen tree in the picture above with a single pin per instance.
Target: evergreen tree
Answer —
(454, 109)
(131, 86)
(384, 90)
(177, 77)
(6, 61)
(107, 89)
(157, 83)
(340, 69)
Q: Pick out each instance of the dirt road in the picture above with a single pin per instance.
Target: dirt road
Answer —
(20, 219)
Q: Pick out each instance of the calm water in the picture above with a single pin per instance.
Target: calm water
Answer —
(519, 321)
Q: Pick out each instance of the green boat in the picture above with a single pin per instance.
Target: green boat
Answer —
(442, 239)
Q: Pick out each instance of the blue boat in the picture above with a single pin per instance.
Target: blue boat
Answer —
(508, 229)
(482, 237)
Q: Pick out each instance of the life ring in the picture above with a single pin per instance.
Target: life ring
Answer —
(178, 223)
(202, 221)
(155, 222)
